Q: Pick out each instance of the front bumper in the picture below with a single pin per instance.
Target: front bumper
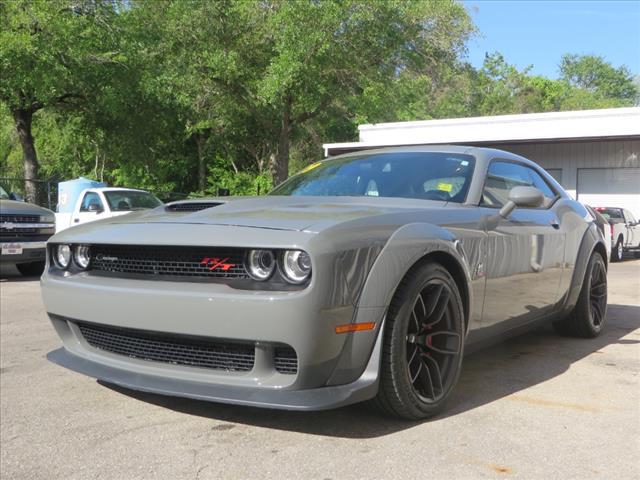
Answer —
(28, 252)
(299, 319)
(364, 388)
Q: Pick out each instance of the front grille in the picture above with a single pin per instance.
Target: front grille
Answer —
(13, 218)
(285, 360)
(204, 262)
(24, 228)
(191, 206)
(175, 349)
(12, 235)
(17, 230)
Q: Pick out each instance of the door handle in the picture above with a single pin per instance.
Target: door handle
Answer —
(555, 224)
(76, 220)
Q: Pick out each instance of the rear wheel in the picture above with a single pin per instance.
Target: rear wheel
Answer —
(423, 344)
(31, 269)
(588, 316)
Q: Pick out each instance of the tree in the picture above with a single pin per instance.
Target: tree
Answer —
(192, 95)
(326, 53)
(54, 54)
(596, 75)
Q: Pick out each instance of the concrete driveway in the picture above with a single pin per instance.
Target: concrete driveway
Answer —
(538, 406)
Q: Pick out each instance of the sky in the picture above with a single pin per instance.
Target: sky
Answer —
(538, 33)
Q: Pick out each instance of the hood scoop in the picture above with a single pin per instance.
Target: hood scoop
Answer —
(187, 207)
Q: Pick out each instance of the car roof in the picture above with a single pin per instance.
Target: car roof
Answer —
(119, 189)
(483, 155)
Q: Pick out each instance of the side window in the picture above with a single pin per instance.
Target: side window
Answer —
(503, 176)
(555, 173)
(542, 185)
(90, 198)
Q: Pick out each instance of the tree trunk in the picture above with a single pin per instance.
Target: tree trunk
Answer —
(281, 170)
(22, 119)
(202, 163)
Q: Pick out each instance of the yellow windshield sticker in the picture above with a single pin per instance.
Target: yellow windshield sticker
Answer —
(311, 167)
(445, 187)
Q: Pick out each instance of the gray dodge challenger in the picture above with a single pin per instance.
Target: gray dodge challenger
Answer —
(367, 276)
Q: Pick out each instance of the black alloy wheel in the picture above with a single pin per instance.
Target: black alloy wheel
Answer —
(423, 344)
(589, 315)
(434, 343)
(598, 294)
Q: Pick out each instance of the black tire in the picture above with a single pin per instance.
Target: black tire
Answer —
(31, 269)
(590, 313)
(617, 252)
(423, 344)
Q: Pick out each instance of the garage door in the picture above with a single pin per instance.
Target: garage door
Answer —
(610, 187)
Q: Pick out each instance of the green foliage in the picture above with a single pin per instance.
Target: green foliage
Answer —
(597, 76)
(193, 96)
(222, 175)
(56, 51)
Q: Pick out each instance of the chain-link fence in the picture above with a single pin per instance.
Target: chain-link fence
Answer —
(46, 191)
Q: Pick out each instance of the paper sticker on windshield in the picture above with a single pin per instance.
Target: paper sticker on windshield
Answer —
(464, 163)
(445, 187)
(311, 167)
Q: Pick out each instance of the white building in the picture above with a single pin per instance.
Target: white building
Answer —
(594, 154)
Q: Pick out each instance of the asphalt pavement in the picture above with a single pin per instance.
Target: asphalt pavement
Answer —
(538, 406)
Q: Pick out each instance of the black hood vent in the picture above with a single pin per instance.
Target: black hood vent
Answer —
(181, 207)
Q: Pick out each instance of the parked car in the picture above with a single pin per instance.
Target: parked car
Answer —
(624, 231)
(24, 231)
(105, 202)
(365, 277)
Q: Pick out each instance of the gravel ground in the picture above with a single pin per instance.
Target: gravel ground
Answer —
(537, 406)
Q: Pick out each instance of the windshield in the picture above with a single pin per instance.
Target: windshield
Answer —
(421, 175)
(125, 200)
(3, 193)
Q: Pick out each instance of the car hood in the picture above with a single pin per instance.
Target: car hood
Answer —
(21, 208)
(281, 213)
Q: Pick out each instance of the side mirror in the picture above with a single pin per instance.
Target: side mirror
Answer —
(527, 197)
(94, 207)
(16, 196)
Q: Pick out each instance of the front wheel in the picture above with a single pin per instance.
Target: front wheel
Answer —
(423, 344)
(588, 316)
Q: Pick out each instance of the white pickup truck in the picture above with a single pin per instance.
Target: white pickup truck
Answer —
(625, 231)
(104, 202)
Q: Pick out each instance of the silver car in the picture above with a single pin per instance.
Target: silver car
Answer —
(365, 277)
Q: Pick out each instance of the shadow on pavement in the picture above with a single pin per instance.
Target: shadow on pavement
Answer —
(9, 273)
(487, 376)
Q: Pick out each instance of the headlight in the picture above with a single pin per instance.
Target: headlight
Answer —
(48, 219)
(261, 264)
(81, 256)
(63, 255)
(296, 266)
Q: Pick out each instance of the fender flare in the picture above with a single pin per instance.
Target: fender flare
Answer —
(406, 247)
(591, 239)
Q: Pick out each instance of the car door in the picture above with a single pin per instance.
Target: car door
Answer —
(91, 208)
(525, 251)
